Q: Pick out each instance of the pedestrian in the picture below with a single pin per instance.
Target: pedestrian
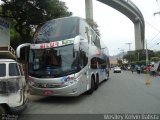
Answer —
(153, 71)
(138, 70)
(148, 69)
(132, 70)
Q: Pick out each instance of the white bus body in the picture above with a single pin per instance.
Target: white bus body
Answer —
(66, 59)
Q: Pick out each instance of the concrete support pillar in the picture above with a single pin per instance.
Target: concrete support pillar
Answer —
(138, 36)
(89, 9)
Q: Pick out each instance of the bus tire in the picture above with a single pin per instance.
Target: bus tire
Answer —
(2, 111)
(91, 90)
(97, 82)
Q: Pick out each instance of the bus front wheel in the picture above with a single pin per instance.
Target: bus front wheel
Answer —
(90, 91)
(96, 83)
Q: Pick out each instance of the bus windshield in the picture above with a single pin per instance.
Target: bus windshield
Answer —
(58, 29)
(53, 62)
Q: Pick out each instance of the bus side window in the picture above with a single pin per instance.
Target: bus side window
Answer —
(94, 63)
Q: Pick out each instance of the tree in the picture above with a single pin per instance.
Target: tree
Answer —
(157, 54)
(119, 62)
(155, 59)
(138, 55)
(28, 14)
(130, 57)
(142, 54)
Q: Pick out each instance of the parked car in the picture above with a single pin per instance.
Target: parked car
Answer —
(13, 95)
(117, 70)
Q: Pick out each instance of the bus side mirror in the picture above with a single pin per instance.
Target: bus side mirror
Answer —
(18, 50)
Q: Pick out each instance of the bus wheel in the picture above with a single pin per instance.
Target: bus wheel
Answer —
(90, 91)
(2, 111)
(97, 83)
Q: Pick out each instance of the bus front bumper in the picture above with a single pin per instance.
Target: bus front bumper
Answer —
(70, 90)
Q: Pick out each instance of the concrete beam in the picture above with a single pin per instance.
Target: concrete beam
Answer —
(128, 8)
(89, 9)
(137, 31)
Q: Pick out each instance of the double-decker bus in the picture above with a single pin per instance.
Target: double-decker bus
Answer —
(65, 58)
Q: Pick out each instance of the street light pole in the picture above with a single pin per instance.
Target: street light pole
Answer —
(156, 13)
(129, 46)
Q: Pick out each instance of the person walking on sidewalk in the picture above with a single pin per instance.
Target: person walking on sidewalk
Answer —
(153, 71)
(138, 69)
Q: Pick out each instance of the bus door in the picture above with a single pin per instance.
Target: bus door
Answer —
(83, 60)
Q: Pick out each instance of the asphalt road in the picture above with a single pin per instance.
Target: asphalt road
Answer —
(122, 93)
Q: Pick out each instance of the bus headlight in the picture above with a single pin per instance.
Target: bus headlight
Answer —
(70, 82)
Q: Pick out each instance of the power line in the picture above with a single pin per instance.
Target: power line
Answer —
(154, 37)
(155, 41)
(154, 44)
(152, 26)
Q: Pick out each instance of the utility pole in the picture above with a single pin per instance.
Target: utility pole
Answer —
(129, 46)
(138, 56)
(146, 53)
(148, 81)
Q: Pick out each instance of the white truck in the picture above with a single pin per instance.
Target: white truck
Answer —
(13, 95)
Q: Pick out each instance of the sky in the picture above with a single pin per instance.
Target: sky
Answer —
(116, 29)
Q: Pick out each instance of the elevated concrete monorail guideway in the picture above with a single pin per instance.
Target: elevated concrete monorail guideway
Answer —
(128, 8)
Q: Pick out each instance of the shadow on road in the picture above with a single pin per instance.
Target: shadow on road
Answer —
(61, 100)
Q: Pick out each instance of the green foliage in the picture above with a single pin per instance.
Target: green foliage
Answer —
(138, 55)
(119, 62)
(157, 54)
(130, 57)
(155, 59)
(26, 15)
(142, 62)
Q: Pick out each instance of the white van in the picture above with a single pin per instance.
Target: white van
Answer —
(13, 95)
